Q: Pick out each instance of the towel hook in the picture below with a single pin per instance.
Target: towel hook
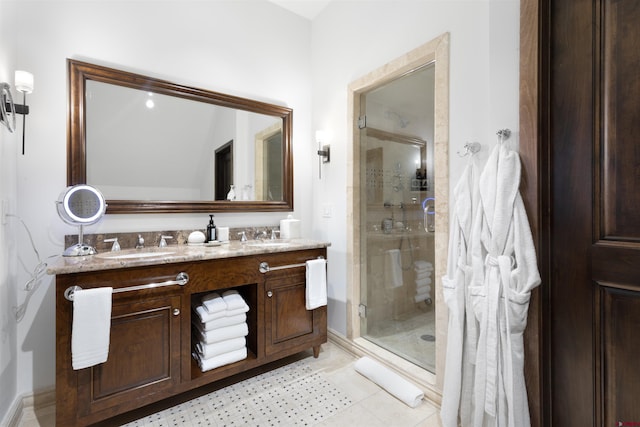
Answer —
(503, 134)
(470, 148)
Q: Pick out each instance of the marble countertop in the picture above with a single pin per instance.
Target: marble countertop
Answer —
(176, 253)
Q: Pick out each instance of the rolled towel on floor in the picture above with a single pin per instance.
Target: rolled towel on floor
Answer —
(390, 381)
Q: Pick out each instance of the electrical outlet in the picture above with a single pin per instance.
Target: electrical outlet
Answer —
(5, 211)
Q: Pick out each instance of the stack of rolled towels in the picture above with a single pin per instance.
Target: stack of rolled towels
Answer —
(220, 329)
(423, 270)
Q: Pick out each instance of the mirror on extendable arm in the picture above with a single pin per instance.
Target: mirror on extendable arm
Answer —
(81, 205)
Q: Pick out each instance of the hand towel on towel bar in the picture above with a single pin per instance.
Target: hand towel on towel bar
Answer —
(91, 327)
(207, 351)
(316, 288)
(221, 334)
(223, 359)
(393, 269)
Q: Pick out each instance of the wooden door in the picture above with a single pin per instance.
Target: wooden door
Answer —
(591, 140)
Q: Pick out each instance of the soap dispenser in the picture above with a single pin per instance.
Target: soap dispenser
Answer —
(211, 230)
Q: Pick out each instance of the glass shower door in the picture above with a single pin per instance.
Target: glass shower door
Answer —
(397, 307)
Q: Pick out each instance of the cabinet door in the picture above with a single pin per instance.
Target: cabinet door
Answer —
(144, 356)
(288, 323)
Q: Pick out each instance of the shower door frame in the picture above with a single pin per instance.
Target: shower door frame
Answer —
(435, 51)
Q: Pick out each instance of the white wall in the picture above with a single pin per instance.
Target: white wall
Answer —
(248, 48)
(352, 38)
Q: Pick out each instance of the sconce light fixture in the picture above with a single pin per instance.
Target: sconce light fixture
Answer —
(323, 151)
(8, 110)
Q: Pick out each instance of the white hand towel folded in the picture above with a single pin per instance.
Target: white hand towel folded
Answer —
(316, 288)
(393, 269)
(233, 300)
(207, 351)
(221, 360)
(213, 303)
(423, 282)
(205, 316)
(237, 311)
(91, 327)
(421, 297)
(423, 289)
(221, 322)
(390, 381)
(221, 334)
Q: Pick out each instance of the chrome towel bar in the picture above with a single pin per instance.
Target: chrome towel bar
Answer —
(264, 266)
(181, 279)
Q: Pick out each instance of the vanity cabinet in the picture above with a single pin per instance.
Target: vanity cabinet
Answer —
(151, 330)
(288, 324)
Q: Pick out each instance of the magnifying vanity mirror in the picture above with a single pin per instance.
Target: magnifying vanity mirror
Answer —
(154, 146)
(81, 205)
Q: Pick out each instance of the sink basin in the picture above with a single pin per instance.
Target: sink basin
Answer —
(134, 255)
(268, 244)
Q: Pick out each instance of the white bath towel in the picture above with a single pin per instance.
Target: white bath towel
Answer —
(423, 282)
(221, 322)
(91, 327)
(316, 288)
(423, 289)
(221, 360)
(390, 381)
(205, 316)
(423, 275)
(237, 311)
(393, 269)
(207, 351)
(234, 300)
(422, 297)
(213, 303)
(422, 265)
(221, 334)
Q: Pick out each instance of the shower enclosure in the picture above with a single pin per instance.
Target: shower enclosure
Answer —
(397, 217)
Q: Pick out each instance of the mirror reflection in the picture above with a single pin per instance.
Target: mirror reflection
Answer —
(156, 146)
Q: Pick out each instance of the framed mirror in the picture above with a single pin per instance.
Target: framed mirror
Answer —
(154, 146)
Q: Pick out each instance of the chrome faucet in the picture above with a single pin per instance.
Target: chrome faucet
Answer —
(243, 236)
(163, 241)
(116, 246)
(273, 234)
(139, 242)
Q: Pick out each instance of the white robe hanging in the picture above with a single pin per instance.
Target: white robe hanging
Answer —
(504, 273)
(458, 376)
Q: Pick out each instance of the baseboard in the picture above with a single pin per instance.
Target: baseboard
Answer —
(29, 402)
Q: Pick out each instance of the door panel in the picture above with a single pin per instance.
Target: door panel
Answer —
(594, 160)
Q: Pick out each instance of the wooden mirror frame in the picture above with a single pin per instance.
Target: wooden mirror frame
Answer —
(79, 72)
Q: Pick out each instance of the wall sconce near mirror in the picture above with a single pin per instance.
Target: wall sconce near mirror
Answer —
(324, 152)
(8, 109)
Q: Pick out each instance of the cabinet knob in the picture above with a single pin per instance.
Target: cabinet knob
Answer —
(269, 294)
(176, 311)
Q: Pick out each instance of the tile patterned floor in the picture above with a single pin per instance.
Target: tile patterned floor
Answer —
(319, 392)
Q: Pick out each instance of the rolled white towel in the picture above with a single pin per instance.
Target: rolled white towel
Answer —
(390, 381)
(221, 334)
(423, 289)
(221, 360)
(234, 300)
(421, 297)
(221, 322)
(423, 275)
(213, 303)
(422, 265)
(207, 351)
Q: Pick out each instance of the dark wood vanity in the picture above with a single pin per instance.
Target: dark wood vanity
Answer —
(151, 332)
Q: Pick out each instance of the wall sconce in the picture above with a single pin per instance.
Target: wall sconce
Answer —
(323, 151)
(8, 110)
